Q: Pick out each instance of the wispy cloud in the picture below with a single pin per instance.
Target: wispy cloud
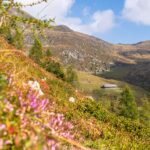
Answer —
(99, 21)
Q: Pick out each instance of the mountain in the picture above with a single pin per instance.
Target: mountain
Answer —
(90, 54)
(137, 52)
(82, 51)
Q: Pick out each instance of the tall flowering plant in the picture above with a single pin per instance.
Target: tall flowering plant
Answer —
(26, 119)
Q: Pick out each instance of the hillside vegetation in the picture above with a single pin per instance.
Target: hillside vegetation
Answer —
(93, 126)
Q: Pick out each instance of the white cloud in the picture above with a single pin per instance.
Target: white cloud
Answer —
(99, 21)
(51, 9)
(137, 11)
(102, 21)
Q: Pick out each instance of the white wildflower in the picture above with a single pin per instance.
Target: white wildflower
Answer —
(72, 99)
(36, 86)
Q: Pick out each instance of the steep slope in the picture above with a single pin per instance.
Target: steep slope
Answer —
(82, 51)
(29, 121)
(4, 44)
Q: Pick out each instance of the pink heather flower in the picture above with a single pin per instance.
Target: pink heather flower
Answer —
(69, 125)
(2, 126)
(24, 122)
(5, 100)
(8, 142)
(10, 79)
(52, 144)
(20, 97)
(43, 104)
(58, 126)
(1, 144)
(33, 103)
(9, 107)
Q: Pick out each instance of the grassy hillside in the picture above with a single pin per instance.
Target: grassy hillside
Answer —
(4, 44)
(138, 74)
(30, 124)
(91, 85)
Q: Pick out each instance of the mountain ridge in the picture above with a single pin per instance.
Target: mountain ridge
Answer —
(91, 54)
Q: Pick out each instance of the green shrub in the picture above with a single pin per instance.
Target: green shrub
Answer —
(93, 109)
(5, 31)
(128, 107)
(56, 68)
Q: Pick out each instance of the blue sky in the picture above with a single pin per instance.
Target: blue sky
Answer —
(116, 21)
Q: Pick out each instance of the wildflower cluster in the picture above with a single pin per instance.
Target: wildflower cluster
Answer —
(26, 120)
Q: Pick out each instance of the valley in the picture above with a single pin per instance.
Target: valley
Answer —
(91, 85)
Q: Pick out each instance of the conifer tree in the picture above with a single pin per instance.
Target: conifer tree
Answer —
(36, 51)
(18, 39)
(145, 112)
(128, 107)
(48, 52)
(11, 22)
(71, 76)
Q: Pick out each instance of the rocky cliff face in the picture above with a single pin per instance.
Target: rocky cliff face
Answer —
(84, 52)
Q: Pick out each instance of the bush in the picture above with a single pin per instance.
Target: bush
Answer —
(56, 68)
(5, 31)
(93, 109)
